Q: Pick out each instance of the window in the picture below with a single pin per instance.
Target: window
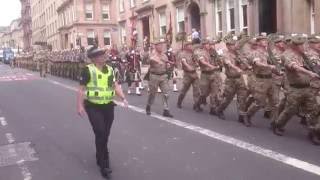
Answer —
(132, 3)
(107, 38)
(180, 19)
(121, 5)
(89, 11)
(244, 16)
(312, 17)
(105, 12)
(123, 36)
(162, 23)
(231, 22)
(90, 37)
(219, 17)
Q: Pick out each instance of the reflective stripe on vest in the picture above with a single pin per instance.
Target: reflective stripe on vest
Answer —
(100, 89)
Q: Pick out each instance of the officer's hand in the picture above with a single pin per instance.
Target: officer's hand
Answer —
(81, 111)
(125, 103)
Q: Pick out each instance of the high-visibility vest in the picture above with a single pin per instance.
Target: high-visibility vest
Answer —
(100, 88)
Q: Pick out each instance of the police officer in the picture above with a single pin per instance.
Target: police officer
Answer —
(95, 96)
(158, 77)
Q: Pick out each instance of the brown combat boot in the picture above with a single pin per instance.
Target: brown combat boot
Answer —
(247, 121)
(166, 113)
(314, 138)
(148, 110)
(179, 103)
(276, 129)
(241, 119)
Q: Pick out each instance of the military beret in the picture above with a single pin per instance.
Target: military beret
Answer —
(95, 52)
(261, 36)
(278, 38)
(299, 39)
(314, 38)
(205, 41)
(188, 43)
(231, 41)
(159, 41)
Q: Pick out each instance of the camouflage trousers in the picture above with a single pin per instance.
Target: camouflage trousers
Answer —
(234, 86)
(263, 94)
(188, 80)
(296, 98)
(210, 85)
(43, 69)
(160, 81)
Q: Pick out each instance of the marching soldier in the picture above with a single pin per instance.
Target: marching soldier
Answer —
(234, 83)
(209, 76)
(275, 53)
(172, 73)
(158, 77)
(300, 92)
(190, 76)
(262, 85)
(42, 58)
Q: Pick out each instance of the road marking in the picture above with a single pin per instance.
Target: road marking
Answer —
(24, 170)
(291, 161)
(13, 153)
(3, 121)
(10, 138)
(21, 77)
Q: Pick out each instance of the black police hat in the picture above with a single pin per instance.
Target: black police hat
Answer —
(95, 52)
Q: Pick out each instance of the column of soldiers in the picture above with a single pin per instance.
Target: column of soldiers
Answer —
(66, 64)
(278, 73)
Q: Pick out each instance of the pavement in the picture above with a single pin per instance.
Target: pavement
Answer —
(43, 138)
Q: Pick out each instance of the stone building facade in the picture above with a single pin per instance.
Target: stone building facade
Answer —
(12, 37)
(216, 17)
(71, 23)
(26, 23)
(80, 22)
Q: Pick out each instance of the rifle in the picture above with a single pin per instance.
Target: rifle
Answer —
(272, 59)
(307, 64)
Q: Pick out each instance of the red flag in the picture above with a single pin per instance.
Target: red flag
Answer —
(169, 32)
(133, 31)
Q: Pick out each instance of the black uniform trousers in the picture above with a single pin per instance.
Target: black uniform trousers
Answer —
(101, 118)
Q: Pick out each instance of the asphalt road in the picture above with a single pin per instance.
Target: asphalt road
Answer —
(43, 138)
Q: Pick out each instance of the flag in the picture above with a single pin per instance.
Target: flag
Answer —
(169, 32)
(133, 31)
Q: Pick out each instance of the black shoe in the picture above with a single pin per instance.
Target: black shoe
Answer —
(106, 173)
(240, 119)
(213, 112)
(247, 121)
(148, 110)
(313, 138)
(267, 114)
(166, 113)
(276, 130)
(221, 116)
